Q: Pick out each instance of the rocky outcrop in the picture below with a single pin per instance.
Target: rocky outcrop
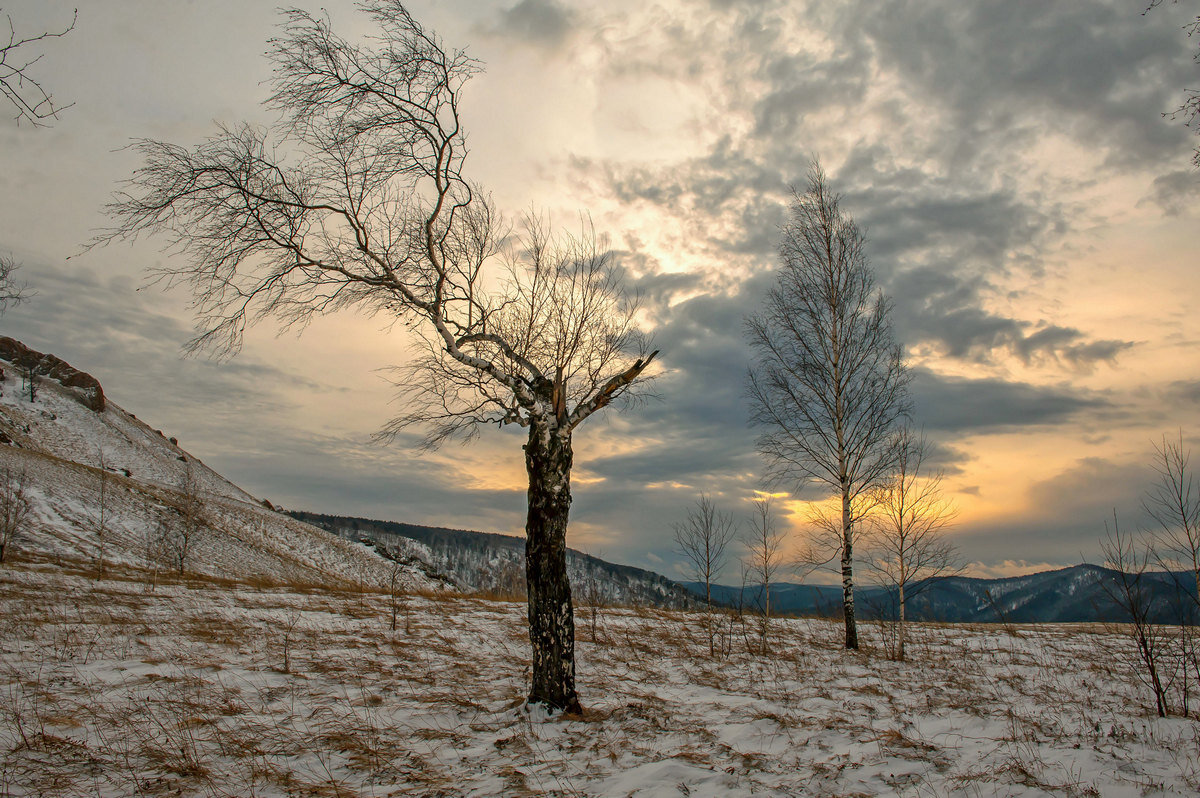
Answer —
(85, 387)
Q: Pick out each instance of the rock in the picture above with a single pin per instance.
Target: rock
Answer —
(85, 387)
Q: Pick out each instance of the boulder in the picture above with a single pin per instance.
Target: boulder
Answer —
(84, 386)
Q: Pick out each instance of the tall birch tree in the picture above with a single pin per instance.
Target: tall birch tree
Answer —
(828, 382)
(358, 198)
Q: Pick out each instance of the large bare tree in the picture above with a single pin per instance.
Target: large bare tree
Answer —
(907, 546)
(358, 198)
(828, 383)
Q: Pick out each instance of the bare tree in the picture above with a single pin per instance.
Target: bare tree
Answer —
(32, 102)
(29, 378)
(186, 529)
(395, 591)
(358, 198)
(100, 519)
(15, 509)
(154, 548)
(1173, 503)
(828, 382)
(701, 539)
(12, 290)
(764, 557)
(907, 548)
(1131, 592)
(592, 598)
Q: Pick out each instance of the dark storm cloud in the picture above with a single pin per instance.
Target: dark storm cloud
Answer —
(654, 289)
(961, 240)
(1069, 345)
(945, 220)
(800, 84)
(960, 405)
(1174, 192)
(698, 413)
(119, 330)
(1184, 391)
(910, 214)
(542, 22)
(946, 310)
(726, 199)
(1006, 72)
(353, 476)
(932, 306)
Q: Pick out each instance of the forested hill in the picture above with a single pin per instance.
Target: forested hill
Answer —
(1076, 594)
(486, 562)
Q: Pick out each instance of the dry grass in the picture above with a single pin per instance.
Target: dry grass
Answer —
(203, 689)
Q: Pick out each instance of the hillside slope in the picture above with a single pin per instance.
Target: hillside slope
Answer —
(74, 446)
(485, 562)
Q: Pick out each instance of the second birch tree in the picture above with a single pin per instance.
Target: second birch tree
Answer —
(828, 384)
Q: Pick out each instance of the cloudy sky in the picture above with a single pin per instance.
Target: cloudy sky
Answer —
(1026, 205)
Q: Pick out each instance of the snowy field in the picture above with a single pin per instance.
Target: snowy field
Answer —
(110, 689)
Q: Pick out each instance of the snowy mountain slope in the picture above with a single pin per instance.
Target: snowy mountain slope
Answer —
(484, 562)
(59, 439)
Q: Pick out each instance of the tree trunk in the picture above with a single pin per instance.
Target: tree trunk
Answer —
(766, 612)
(848, 572)
(708, 624)
(900, 630)
(551, 617)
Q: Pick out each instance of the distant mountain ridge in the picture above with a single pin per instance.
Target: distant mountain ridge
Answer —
(491, 563)
(1079, 593)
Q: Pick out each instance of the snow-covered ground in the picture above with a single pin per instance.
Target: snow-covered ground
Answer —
(108, 688)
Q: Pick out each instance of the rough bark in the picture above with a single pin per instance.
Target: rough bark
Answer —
(848, 571)
(548, 458)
